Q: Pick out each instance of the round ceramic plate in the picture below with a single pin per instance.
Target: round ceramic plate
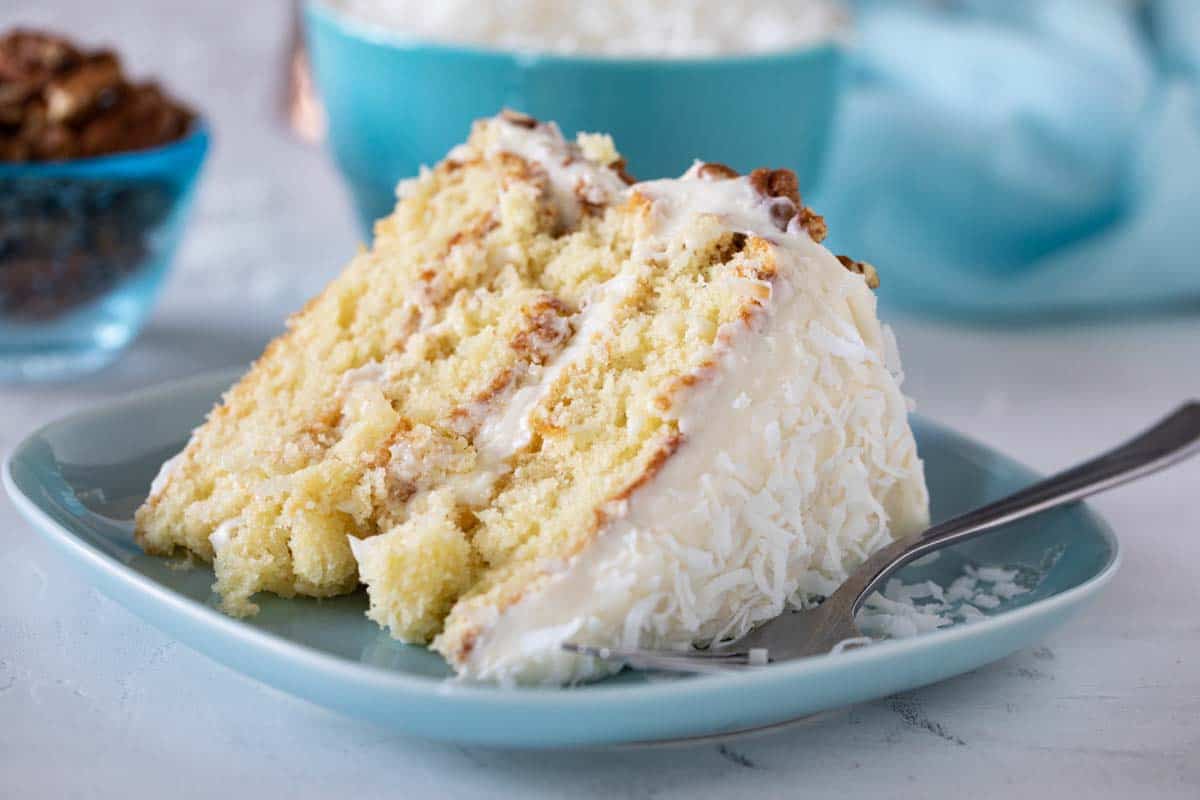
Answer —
(79, 481)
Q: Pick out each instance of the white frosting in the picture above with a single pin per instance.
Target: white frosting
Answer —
(223, 535)
(818, 470)
(168, 468)
(508, 432)
(373, 373)
(361, 548)
(737, 204)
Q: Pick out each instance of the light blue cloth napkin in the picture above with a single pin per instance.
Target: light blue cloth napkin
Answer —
(1001, 157)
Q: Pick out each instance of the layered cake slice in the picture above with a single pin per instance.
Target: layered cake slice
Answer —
(548, 405)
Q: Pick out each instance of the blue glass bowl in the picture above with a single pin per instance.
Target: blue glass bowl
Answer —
(84, 246)
(394, 104)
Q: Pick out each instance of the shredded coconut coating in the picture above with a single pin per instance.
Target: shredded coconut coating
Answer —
(663, 28)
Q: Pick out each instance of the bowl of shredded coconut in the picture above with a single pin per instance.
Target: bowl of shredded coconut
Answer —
(749, 84)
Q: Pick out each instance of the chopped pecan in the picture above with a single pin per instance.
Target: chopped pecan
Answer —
(546, 329)
(712, 171)
(814, 223)
(13, 95)
(782, 210)
(56, 143)
(34, 56)
(591, 198)
(618, 167)
(861, 268)
(776, 183)
(57, 102)
(517, 118)
(13, 148)
(94, 84)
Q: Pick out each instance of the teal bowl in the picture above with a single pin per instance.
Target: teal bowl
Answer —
(84, 247)
(393, 104)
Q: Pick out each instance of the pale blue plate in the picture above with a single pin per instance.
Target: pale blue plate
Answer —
(80, 479)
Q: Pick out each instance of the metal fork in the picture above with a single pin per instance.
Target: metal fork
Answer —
(818, 630)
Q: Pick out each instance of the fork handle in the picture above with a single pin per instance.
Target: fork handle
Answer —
(1172, 440)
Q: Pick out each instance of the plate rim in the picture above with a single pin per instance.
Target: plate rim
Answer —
(455, 692)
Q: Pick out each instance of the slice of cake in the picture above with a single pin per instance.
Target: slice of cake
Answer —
(548, 406)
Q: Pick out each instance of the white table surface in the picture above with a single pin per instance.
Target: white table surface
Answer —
(94, 702)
